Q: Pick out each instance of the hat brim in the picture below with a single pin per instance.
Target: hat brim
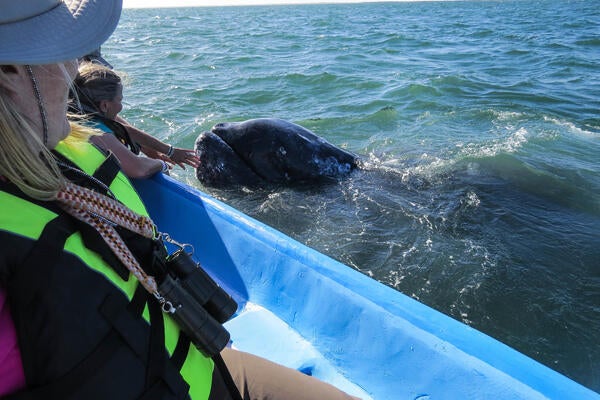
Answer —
(68, 31)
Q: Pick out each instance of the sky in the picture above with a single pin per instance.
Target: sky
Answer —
(192, 3)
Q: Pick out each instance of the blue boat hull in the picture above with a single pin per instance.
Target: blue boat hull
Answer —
(305, 310)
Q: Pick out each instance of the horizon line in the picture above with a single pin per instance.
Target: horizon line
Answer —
(138, 4)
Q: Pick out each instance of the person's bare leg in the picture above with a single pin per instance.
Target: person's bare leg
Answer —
(260, 379)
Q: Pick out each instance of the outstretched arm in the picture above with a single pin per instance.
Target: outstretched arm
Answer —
(155, 148)
(133, 166)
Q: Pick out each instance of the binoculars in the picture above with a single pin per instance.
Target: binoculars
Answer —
(197, 303)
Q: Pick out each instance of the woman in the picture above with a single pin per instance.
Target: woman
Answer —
(82, 271)
(99, 96)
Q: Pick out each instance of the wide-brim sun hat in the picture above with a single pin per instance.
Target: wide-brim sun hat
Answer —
(51, 31)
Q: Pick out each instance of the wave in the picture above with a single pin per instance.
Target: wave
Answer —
(593, 42)
(555, 161)
(568, 188)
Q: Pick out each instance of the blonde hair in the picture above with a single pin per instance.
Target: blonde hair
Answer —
(24, 160)
(81, 133)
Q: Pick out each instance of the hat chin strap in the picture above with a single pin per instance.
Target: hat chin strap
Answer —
(38, 96)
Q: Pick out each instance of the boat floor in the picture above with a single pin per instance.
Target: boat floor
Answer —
(284, 346)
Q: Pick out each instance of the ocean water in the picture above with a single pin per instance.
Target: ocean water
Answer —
(478, 124)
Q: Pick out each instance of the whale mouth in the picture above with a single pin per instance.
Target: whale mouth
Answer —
(220, 166)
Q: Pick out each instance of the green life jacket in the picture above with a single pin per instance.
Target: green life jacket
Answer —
(69, 285)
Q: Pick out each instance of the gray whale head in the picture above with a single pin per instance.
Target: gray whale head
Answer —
(268, 151)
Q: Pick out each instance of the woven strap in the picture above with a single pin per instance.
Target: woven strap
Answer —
(103, 214)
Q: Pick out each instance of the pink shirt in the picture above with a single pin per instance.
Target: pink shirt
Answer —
(12, 376)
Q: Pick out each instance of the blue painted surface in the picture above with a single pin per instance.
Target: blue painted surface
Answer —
(344, 327)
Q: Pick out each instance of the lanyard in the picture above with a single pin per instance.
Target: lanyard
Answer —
(103, 214)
